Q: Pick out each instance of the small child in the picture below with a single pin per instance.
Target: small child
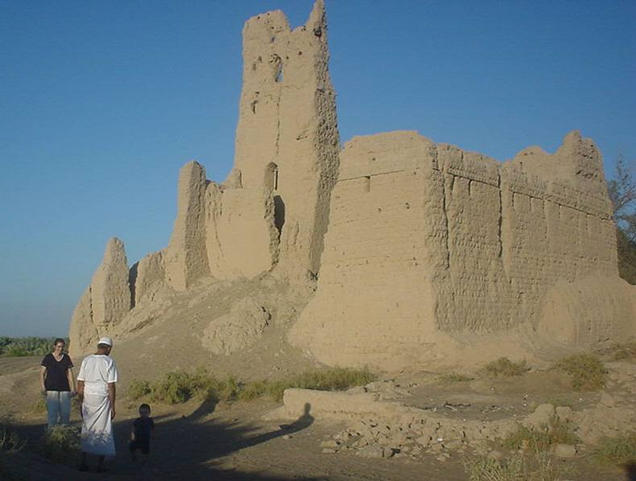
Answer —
(140, 436)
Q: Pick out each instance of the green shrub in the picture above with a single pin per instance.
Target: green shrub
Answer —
(180, 386)
(61, 444)
(540, 440)
(253, 390)
(228, 390)
(586, 370)
(138, 389)
(616, 451)
(504, 367)
(332, 379)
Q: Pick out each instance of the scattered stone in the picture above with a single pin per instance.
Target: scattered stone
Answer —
(564, 413)
(540, 417)
(389, 452)
(496, 455)
(330, 443)
(371, 452)
(564, 450)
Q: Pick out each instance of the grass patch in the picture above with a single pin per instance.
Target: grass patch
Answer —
(10, 440)
(616, 451)
(180, 386)
(540, 440)
(256, 389)
(61, 444)
(504, 367)
(453, 377)
(489, 469)
(538, 466)
(138, 389)
(333, 379)
(586, 370)
(39, 406)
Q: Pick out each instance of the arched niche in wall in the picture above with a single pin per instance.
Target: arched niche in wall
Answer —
(271, 176)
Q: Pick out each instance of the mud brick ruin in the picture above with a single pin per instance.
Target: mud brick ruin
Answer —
(406, 249)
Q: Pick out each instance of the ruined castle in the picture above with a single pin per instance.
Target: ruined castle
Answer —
(403, 246)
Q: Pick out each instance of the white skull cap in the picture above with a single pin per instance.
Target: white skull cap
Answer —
(105, 340)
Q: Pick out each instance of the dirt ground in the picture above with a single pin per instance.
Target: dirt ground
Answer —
(232, 441)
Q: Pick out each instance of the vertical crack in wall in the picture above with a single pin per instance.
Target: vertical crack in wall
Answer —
(446, 223)
(500, 220)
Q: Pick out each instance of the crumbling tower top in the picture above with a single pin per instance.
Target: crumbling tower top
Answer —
(287, 136)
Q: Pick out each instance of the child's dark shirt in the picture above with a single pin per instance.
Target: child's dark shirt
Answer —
(143, 428)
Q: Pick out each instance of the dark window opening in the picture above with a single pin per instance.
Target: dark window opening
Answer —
(279, 214)
(132, 283)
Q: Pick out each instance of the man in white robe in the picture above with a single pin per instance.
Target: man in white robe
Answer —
(96, 390)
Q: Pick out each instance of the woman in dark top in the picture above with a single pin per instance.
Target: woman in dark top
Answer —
(57, 384)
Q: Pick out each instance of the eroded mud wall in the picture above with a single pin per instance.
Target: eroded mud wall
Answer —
(426, 238)
(287, 136)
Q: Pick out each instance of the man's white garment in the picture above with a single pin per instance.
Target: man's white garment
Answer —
(97, 371)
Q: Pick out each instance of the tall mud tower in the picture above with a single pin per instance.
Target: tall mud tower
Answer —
(287, 136)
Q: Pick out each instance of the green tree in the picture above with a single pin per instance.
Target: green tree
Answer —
(622, 192)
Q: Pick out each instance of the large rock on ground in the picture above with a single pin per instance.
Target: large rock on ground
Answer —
(239, 329)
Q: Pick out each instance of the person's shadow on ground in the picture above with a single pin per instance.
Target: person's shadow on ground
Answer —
(186, 447)
(303, 422)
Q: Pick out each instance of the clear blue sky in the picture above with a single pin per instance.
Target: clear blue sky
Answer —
(102, 102)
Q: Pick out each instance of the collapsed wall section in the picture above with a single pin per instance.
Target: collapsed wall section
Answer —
(287, 135)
